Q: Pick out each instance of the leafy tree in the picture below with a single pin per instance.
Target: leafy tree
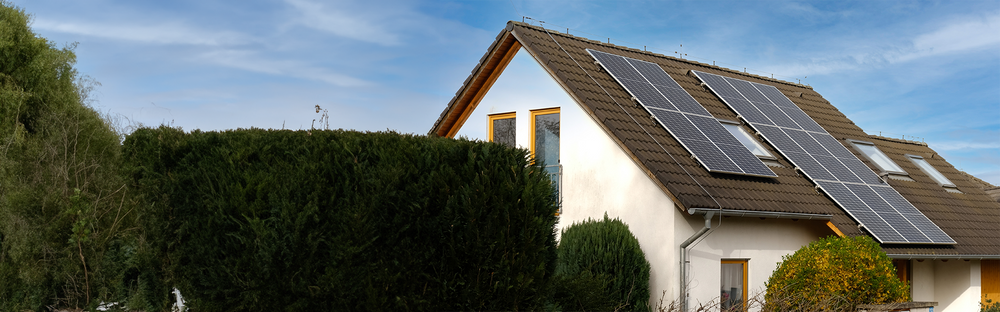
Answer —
(834, 274)
(67, 227)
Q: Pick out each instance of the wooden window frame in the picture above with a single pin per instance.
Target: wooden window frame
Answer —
(500, 116)
(534, 113)
(746, 276)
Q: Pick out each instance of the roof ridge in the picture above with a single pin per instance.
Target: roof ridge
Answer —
(651, 53)
(904, 141)
(986, 185)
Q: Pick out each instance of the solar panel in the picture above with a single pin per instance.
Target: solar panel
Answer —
(693, 126)
(883, 212)
(801, 119)
(750, 112)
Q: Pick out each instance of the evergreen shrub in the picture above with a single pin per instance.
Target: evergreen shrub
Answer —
(834, 274)
(271, 220)
(601, 267)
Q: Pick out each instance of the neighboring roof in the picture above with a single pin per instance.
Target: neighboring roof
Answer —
(992, 190)
(972, 219)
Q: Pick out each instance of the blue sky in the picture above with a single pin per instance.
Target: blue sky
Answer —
(927, 69)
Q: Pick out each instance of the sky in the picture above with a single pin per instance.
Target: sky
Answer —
(926, 70)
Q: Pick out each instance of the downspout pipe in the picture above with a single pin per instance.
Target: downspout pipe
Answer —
(684, 250)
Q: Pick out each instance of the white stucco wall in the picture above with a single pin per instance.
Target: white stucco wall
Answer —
(922, 280)
(523, 86)
(599, 178)
(954, 284)
(761, 242)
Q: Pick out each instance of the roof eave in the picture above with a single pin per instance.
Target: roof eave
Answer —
(942, 257)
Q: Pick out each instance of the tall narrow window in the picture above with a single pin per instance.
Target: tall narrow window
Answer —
(503, 128)
(929, 170)
(545, 136)
(734, 285)
(545, 140)
(876, 156)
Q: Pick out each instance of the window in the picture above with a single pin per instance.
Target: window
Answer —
(545, 136)
(929, 170)
(734, 285)
(876, 156)
(503, 128)
(748, 140)
(545, 142)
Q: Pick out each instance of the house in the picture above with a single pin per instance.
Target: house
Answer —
(707, 230)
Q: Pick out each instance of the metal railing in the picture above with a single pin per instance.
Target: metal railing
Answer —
(556, 177)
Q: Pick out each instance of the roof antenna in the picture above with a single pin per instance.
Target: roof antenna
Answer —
(516, 10)
(681, 53)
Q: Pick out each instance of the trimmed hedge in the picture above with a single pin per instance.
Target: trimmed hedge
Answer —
(834, 274)
(267, 220)
(601, 267)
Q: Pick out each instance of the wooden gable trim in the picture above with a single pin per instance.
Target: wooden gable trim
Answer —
(478, 85)
(835, 229)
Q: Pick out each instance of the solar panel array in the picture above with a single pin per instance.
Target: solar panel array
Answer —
(852, 185)
(685, 119)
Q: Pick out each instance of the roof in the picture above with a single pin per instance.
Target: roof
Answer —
(972, 218)
(992, 190)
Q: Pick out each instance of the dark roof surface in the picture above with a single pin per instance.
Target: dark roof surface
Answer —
(972, 218)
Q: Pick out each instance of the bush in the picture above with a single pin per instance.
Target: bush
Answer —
(261, 220)
(601, 267)
(67, 227)
(989, 306)
(837, 274)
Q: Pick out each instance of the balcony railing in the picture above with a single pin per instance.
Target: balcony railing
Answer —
(555, 175)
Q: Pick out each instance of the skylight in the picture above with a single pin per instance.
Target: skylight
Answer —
(876, 156)
(927, 168)
(744, 137)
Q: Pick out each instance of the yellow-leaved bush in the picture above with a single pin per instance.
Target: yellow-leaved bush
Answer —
(834, 274)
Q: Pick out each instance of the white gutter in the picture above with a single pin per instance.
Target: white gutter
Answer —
(762, 214)
(701, 233)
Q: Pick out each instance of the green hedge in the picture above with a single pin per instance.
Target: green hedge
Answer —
(262, 220)
(601, 267)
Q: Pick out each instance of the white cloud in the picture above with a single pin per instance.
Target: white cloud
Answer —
(966, 34)
(338, 20)
(169, 33)
(963, 35)
(251, 62)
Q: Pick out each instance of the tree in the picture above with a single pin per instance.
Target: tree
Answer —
(67, 226)
(834, 274)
